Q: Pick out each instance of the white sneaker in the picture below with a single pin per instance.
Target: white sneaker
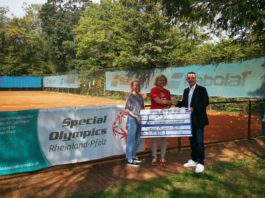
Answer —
(137, 160)
(190, 163)
(133, 163)
(199, 168)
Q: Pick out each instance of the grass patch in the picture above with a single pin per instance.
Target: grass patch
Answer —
(241, 178)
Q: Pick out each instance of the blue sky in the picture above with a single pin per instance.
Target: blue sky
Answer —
(15, 6)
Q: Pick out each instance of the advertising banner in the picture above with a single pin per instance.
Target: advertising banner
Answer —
(36, 139)
(242, 79)
(62, 81)
(20, 82)
(165, 123)
(19, 146)
(80, 134)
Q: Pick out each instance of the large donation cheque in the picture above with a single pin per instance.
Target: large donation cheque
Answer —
(165, 123)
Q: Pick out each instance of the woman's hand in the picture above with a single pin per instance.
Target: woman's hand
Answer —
(138, 119)
(144, 95)
(174, 101)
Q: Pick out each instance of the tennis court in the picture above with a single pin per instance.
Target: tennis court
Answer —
(87, 177)
(24, 100)
(223, 126)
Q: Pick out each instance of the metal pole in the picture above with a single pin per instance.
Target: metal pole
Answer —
(179, 143)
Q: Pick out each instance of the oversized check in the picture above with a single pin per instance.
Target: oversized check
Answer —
(165, 123)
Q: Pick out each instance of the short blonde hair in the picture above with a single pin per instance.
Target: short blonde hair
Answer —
(158, 78)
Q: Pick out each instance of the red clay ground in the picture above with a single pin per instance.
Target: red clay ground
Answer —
(222, 126)
(23, 100)
(62, 181)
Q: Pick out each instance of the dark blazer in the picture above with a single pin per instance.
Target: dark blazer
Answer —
(199, 102)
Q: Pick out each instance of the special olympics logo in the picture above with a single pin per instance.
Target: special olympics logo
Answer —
(119, 128)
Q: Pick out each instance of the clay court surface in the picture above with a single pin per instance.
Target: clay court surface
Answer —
(84, 178)
(23, 100)
(223, 126)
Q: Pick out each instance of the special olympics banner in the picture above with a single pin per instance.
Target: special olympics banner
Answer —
(36, 139)
(19, 146)
(81, 134)
(241, 79)
(165, 123)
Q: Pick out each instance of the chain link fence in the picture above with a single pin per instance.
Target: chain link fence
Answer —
(230, 119)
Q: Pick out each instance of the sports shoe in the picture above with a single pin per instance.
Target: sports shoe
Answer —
(199, 168)
(190, 163)
(154, 162)
(133, 163)
(136, 159)
(163, 162)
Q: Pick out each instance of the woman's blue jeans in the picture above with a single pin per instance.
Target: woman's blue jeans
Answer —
(133, 137)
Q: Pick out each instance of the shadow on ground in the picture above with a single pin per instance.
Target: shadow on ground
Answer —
(89, 177)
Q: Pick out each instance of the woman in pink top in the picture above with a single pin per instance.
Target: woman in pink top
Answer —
(160, 99)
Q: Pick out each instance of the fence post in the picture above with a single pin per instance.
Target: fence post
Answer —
(262, 118)
(179, 143)
(249, 119)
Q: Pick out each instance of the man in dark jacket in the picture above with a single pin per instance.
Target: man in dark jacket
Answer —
(196, 98)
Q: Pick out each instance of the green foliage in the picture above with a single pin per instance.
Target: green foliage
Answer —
(58, 21)
(135, 34)
(243, 19)
(79, 36)
(92, 83)
(23, 48)
(226, 51)
(117, 34)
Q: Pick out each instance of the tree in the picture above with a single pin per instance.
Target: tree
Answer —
(59, 18)
(3, 24)
(24, 47)
(241, 19)
(124, 34)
